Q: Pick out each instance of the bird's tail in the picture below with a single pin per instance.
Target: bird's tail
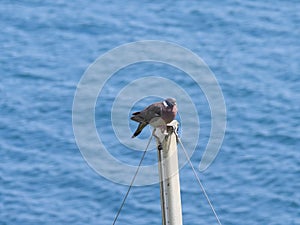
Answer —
(139, 129)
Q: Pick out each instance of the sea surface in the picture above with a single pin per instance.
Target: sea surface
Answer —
(253, 49)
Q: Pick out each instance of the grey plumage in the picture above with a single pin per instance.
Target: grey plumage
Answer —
(156, 114)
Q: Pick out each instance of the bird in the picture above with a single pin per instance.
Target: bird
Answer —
(158, 114)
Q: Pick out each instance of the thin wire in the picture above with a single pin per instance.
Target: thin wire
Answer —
(133, 179)
(198, 179)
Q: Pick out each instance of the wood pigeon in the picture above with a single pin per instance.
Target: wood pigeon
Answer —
(158, 114)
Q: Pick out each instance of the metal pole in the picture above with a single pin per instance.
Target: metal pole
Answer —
(169, 175)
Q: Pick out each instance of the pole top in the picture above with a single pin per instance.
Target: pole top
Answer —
(173, 126)
(163, 132)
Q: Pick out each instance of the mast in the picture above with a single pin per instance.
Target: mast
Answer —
(169, 175)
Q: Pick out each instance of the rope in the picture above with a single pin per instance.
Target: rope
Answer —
(133, 179)
(199, 182)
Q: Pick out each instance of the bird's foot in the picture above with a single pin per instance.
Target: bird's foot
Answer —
(160, 134)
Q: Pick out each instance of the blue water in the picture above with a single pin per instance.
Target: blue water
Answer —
(253, 48)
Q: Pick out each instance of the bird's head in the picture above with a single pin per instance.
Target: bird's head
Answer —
(170, 102)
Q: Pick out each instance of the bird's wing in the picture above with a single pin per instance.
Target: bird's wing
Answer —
(147, 114)
(152, 111)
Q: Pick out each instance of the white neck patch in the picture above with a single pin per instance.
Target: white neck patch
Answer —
(165, 104)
